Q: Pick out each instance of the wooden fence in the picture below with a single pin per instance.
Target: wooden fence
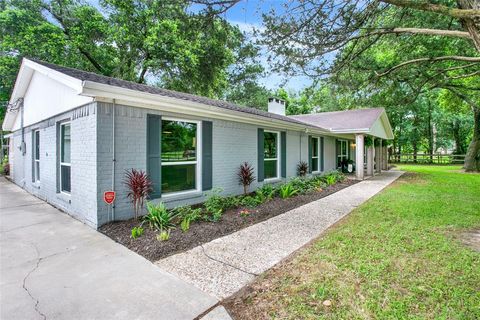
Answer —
(427, 158)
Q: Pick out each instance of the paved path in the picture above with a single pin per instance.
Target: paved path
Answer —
(54, 267)
(223, 266)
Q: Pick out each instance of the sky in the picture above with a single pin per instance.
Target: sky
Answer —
(247, 14)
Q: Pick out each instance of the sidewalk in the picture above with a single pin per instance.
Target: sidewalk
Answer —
(54, 267)
(223, 266)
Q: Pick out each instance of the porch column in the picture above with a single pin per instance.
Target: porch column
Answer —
(385, 158)
(378, 155)
(370, 157)
(359, 146)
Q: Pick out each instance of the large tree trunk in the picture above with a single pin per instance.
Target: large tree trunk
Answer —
(472, 159)
(471, 25)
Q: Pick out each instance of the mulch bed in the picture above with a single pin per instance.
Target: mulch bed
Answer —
(202, 231)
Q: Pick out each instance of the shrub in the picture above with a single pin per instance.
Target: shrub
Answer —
(214, 204)
(302, 168)
(6, 169)
(136, 232)
(184, 212)
(231, 202)
(287, 191)
(301, 184)
(164, 235)
(159, 217)
(330, 180)
(268, 191)
(250, 202)
(185, 224)
(245, 176)
(139, 186)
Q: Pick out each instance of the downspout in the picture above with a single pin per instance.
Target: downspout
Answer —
(23, 146)
(113, 157)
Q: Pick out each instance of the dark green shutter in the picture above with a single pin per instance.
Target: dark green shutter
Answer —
(154, 159)
(322, 156)
(309, 154)
(260, 151)
(283, 147)
(207, 157)
(337, 152)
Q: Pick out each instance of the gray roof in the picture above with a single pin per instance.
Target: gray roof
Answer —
(342, 120)
(93, 77)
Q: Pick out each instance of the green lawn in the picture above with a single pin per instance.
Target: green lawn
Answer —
(398, 256)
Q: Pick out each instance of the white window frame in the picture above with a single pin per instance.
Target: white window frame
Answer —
(197, 162)
(36, 162)
(65, 164)
(272, 159)
(317, 158)
(341, 155)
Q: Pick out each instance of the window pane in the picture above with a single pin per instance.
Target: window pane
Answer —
(270, 145)
(344, 147)
(65, 156)
(65, 172)
(270, 169)
(37, 145)
(37, 170)
(178, 178)
(315, 147)
(179, 142)
(315, 164)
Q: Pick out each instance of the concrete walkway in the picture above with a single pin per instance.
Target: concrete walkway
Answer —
(54, 267)
(223, 266)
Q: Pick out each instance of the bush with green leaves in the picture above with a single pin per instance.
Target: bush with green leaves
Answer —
(163, 235)
(214, 205)
(268, 191)
(250, 202)
(287, 190)
(159, 217)
(136, 232)
(187, 215)
(302, 185)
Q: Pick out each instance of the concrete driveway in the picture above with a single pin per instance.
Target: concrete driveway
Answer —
(54, 267)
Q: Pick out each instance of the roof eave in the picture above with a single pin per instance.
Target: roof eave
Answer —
(105, 92)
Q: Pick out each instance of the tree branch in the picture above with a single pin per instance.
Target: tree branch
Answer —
(420, 60)
(435, 8)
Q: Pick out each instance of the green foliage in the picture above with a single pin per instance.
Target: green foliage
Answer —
(416, 245)
(185, 224)
(163, 235)
(250, 202)
(136, 232)
(330, 180)
(268, 191)
(214, 205)
(160, 40)
(159, 217)
(287, 191)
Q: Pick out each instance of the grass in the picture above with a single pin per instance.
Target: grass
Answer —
(398, 256)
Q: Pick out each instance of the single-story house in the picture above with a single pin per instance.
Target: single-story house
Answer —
(75, 133)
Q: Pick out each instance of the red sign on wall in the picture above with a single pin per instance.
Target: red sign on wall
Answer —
(109, 197)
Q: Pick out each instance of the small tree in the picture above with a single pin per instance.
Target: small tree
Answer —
(302, 168)
(245, 176)
(139, 186)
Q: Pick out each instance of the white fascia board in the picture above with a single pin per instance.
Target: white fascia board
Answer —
(74, 83)
(25, 73)
(107, 93)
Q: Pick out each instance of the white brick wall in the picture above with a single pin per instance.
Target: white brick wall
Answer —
(82, 203)
(91, 157)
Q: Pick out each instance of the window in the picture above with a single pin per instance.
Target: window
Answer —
(315, 157)
(271, 149)
(65, 163)
(342, 152)
(179, 155)
(36, 155)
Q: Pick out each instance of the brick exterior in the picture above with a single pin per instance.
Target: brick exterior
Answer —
(91, 157)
